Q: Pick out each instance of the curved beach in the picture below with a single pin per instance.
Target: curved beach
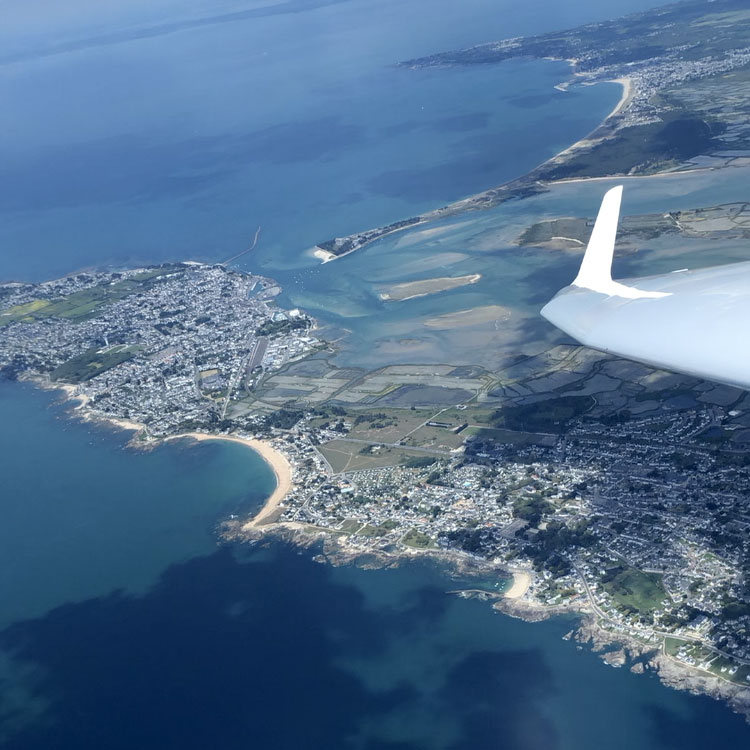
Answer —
(520, 585)
(627, 94)
(281, 468)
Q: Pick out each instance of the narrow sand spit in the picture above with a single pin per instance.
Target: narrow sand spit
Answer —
(472, 317)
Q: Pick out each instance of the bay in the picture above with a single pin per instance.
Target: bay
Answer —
(83, 515)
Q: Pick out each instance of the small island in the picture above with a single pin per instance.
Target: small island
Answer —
(423, 287)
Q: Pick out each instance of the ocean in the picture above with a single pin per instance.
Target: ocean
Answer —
(143, 143)
(141, 132)
(125, 624)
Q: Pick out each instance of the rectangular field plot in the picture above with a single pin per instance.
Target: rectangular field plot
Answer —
(345, 456)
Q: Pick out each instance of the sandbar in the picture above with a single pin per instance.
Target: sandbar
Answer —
(474, 316)
(423, 287)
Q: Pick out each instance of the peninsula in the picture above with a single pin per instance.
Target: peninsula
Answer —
(602, 487)
(685, 95)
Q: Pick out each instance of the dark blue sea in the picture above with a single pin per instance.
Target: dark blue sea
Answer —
(135, 132)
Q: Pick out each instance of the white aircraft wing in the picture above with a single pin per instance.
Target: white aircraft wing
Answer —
(695, 322)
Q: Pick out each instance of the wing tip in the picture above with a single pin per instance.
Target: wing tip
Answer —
(595, 272)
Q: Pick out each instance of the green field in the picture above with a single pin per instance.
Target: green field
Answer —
(472, 415)
(634, 589)
(386, 425)
(84, 304)
(414, 538)
(379, 530)
(507, 437)
(345, 456)
(550, 415)
(349, 526)
(93, 362)
(665, 394)
(437, 438)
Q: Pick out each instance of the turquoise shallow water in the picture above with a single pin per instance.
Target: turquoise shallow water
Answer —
(520, 280)
(122, 623)
(83, 515)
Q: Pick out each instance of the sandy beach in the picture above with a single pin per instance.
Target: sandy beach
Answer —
(521, 583)
(628, 91)
(423, 287)
(70, 392)
(472, 317)
(621, 177)
(323, 255)
(281, 467)
(278, 463)
(627, 95)
(125, 424)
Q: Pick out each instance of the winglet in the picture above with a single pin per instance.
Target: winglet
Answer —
(595, 273)
(596, 270)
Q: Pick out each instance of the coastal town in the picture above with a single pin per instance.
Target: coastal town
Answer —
(169, 347)
(565, 481)
(592, 484)
(394, 502)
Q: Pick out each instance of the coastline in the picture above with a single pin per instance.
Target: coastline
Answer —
(520, 585)
(628, 92)
(616, 649)
(619, 649)
(671, 173)
(518, 188)
(70, 391)
(83, 401)
(279, 464)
